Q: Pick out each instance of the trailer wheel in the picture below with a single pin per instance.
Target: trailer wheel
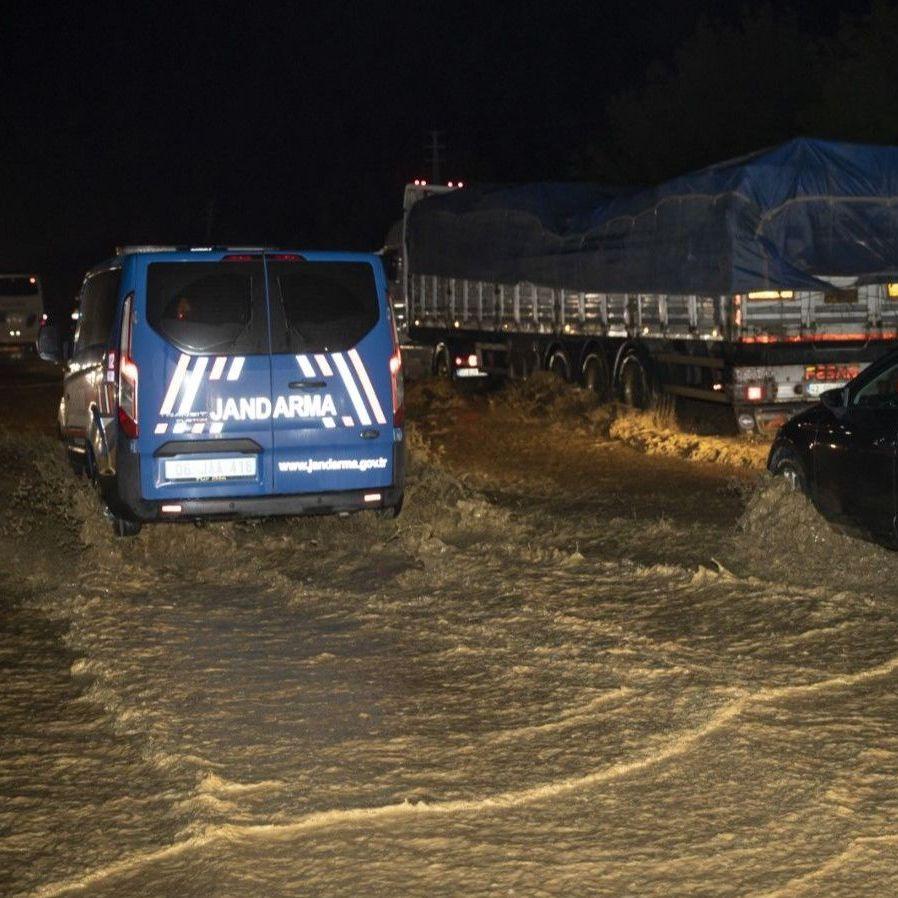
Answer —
(634, 383)
(558, 365)
(442, 364)
(595, 377)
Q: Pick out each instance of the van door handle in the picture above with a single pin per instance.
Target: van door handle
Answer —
(307, 384)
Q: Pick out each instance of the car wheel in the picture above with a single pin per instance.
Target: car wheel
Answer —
(791, 468)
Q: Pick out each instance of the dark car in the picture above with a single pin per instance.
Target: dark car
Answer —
(842, 452)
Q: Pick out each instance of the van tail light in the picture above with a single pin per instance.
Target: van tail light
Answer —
(398, 386)
(127, 374)
(397, 382)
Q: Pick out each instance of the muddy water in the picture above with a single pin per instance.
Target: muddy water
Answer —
(564, 670)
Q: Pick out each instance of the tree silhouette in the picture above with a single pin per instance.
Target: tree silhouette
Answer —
(859, 86)
(731, 88)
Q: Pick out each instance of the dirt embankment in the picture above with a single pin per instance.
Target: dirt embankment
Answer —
(549, 401)
(652, 435)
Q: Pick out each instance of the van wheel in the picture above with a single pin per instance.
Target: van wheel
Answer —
(123, 528)
(790, 467)
(634, 383)
(393, 511)
(77, 462)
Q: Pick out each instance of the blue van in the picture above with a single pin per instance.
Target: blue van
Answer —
(230, 382)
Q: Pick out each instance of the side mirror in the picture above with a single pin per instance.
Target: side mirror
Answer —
(48, 344)
(835, 400)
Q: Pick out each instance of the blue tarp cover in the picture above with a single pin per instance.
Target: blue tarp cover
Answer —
(778, 218)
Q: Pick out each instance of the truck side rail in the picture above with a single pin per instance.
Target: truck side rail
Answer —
(866, 312)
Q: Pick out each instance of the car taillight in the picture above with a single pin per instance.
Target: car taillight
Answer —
(127, 374)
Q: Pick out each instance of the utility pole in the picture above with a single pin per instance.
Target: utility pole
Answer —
(434, 147)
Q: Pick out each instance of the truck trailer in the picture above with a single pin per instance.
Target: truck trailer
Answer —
(756, 283)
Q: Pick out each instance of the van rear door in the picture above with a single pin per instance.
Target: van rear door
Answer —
(204, 376)
(331, 345)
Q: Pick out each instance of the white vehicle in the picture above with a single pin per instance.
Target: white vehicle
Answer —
(21, 312)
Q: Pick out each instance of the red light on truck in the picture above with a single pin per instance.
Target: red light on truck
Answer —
(754, 393)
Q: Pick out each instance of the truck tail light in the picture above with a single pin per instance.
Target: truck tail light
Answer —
(760, 392)
(127, 374)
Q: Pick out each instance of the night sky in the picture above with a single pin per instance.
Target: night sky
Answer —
(298, 124)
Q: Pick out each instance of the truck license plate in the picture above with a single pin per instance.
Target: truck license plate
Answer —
(816, 387)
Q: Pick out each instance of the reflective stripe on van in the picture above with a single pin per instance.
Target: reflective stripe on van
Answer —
(189, 373)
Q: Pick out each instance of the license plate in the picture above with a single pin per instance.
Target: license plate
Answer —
(210, 468)
(816, 387)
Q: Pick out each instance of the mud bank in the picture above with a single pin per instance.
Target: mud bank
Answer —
(549, 402)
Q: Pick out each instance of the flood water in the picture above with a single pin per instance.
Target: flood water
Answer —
(568, 668)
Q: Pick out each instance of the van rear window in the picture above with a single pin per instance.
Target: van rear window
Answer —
(209, 306)
(321, 306)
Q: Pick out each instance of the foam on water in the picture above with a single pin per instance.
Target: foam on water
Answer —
(489, 694)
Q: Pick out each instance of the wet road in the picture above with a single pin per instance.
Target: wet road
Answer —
(566, 669)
